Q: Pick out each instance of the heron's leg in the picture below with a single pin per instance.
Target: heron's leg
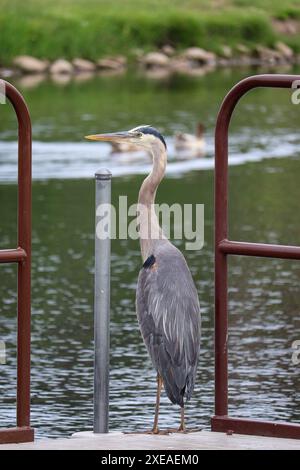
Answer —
(158, 392)
(182, 427)
(182, 422)
(155, 429)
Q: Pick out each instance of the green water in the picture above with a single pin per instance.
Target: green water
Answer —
(264, 294)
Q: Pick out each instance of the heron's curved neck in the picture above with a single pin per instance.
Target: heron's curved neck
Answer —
(149, 229)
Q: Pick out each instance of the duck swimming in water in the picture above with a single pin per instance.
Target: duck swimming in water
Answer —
(193, 143)
(123, 147)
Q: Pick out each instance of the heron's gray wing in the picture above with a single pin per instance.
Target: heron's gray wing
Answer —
(169, 316)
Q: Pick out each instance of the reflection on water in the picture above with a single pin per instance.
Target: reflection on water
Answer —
(264, 294)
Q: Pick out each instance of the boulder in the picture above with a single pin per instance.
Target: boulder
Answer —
(288, 27)
(83, 65)
(121, 59)
(168, 50)
(226, 52)
(61, 67)
(199, 56)
(285, 50)
(112, 63)
(155, 59)
(185, 67)
(28, 64)
(267, 55)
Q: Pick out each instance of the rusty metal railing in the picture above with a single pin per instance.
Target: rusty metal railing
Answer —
(224, 247)
(22, 255)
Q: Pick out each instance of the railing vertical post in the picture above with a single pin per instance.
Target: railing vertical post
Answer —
(24, 268)
(221, 228)
(21, 255)
(223, 247)
(102, 302)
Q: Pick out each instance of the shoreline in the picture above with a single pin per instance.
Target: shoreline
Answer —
(166, 61)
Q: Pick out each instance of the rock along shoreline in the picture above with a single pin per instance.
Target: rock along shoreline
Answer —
(191, 61)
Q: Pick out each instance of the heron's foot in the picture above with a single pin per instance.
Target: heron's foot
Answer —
(183, 430)
(157, 431)
(160, 432)
(189, 430)
(177, 430)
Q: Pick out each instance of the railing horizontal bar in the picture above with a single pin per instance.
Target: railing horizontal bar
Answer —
(13, 435)
(255, 427)
(12, 256)
(259, 249)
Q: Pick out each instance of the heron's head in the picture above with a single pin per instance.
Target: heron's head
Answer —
(141, 136)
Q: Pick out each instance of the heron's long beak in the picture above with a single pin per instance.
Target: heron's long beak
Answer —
(114, 137)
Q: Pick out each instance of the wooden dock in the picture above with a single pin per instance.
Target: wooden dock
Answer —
(203, 440)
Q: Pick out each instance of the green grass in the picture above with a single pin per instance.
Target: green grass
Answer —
(91, 29)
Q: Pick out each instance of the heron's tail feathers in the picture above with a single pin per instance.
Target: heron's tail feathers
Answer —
(178, 393)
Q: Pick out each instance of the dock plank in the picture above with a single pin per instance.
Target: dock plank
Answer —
(194, 441)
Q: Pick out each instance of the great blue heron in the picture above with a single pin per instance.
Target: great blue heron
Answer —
(190, 142)
(167, 303)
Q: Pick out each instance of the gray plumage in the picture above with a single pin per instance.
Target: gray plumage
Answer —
(169, 317)
(167, 302)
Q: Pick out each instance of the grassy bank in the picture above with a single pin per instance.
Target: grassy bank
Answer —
(93, 28)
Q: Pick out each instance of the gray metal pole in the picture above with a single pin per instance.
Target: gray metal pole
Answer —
(101, 306)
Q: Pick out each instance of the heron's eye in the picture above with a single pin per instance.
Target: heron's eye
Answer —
(139, 134)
